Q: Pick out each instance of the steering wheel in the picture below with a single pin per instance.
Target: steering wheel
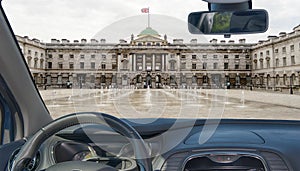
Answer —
(31, 147)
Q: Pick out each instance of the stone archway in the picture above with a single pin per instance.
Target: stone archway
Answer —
(268, 81)
(148, 81)
(158, 82)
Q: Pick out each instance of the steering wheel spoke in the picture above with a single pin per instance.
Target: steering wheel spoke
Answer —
(29, 149)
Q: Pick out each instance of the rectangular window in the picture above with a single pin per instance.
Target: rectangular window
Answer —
(276, 50)
(42, 55)
(292, 48)
(60, 56)
(103, 66)
(268, 64)
(248, 66)
(261, 54)
(93, 56)
(183, 65)
(284, 61)
(236, 56)
(182, 56)
(204, 56)
(194, 56)
(92, 77)
(71, 65)
(93, 65)
(49, 65)
(225, 65)
(283, 49)
(104, 56)
(215, 56)
(172, 66)
(60, 65)
(81, 65)
(114, 66)
(41, 64)
(237, 66)
(261, 64)
(29, 52)
(293, 61)
(29, 61)
(215, 65)
(50, 56)
(204, 65)
(71, 56)
(225, 56)
(277, 62)
(82, 56)
(247, 56)
(194, 66)
(35, 63)
(268, 52)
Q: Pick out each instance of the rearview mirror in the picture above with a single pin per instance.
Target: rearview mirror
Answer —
(228, 22)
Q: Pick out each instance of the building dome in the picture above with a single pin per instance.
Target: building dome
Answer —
(149, 31)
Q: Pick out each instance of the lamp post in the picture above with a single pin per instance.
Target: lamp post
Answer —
(291, 85)
(80, 82)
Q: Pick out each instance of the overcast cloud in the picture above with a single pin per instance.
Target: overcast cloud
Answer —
(76, 19)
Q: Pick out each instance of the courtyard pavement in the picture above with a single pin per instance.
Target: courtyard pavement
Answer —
(174, 103)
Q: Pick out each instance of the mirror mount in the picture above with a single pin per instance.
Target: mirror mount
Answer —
(229, 5)
(227, 35)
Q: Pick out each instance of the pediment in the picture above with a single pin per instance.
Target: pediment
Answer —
(149, 38)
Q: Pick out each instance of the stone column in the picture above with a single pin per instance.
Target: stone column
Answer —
(134, 62)
(119, 62)
(163, 62)
(144, 62)
(166, 63)
(178, 63)
(153, 62)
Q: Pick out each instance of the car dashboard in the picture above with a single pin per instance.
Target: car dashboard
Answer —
(241, 145)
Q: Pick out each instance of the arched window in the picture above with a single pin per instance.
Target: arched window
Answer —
(194, 79)
(205, 79)
(277, 80)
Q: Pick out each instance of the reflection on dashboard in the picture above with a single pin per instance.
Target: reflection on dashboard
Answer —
(83, 155)
(75, 151)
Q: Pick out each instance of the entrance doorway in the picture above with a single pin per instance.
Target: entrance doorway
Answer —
(158, 81)
(148, 81)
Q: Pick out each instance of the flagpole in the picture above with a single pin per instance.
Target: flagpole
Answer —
(148, 17)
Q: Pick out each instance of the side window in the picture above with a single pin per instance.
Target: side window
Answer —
(11, 122)
(7, 130)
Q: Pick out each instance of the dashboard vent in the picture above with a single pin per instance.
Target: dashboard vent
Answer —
(174, 162)
(224, 162)
(274, 161)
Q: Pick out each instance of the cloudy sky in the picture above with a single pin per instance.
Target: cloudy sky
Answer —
(118, 19)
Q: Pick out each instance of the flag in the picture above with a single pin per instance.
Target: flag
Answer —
(145, 10)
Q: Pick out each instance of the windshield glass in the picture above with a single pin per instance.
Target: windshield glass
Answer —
(136, 59)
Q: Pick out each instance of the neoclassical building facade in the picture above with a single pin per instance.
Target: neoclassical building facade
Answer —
(150, 60)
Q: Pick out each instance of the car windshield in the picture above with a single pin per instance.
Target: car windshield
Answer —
(137, 59)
